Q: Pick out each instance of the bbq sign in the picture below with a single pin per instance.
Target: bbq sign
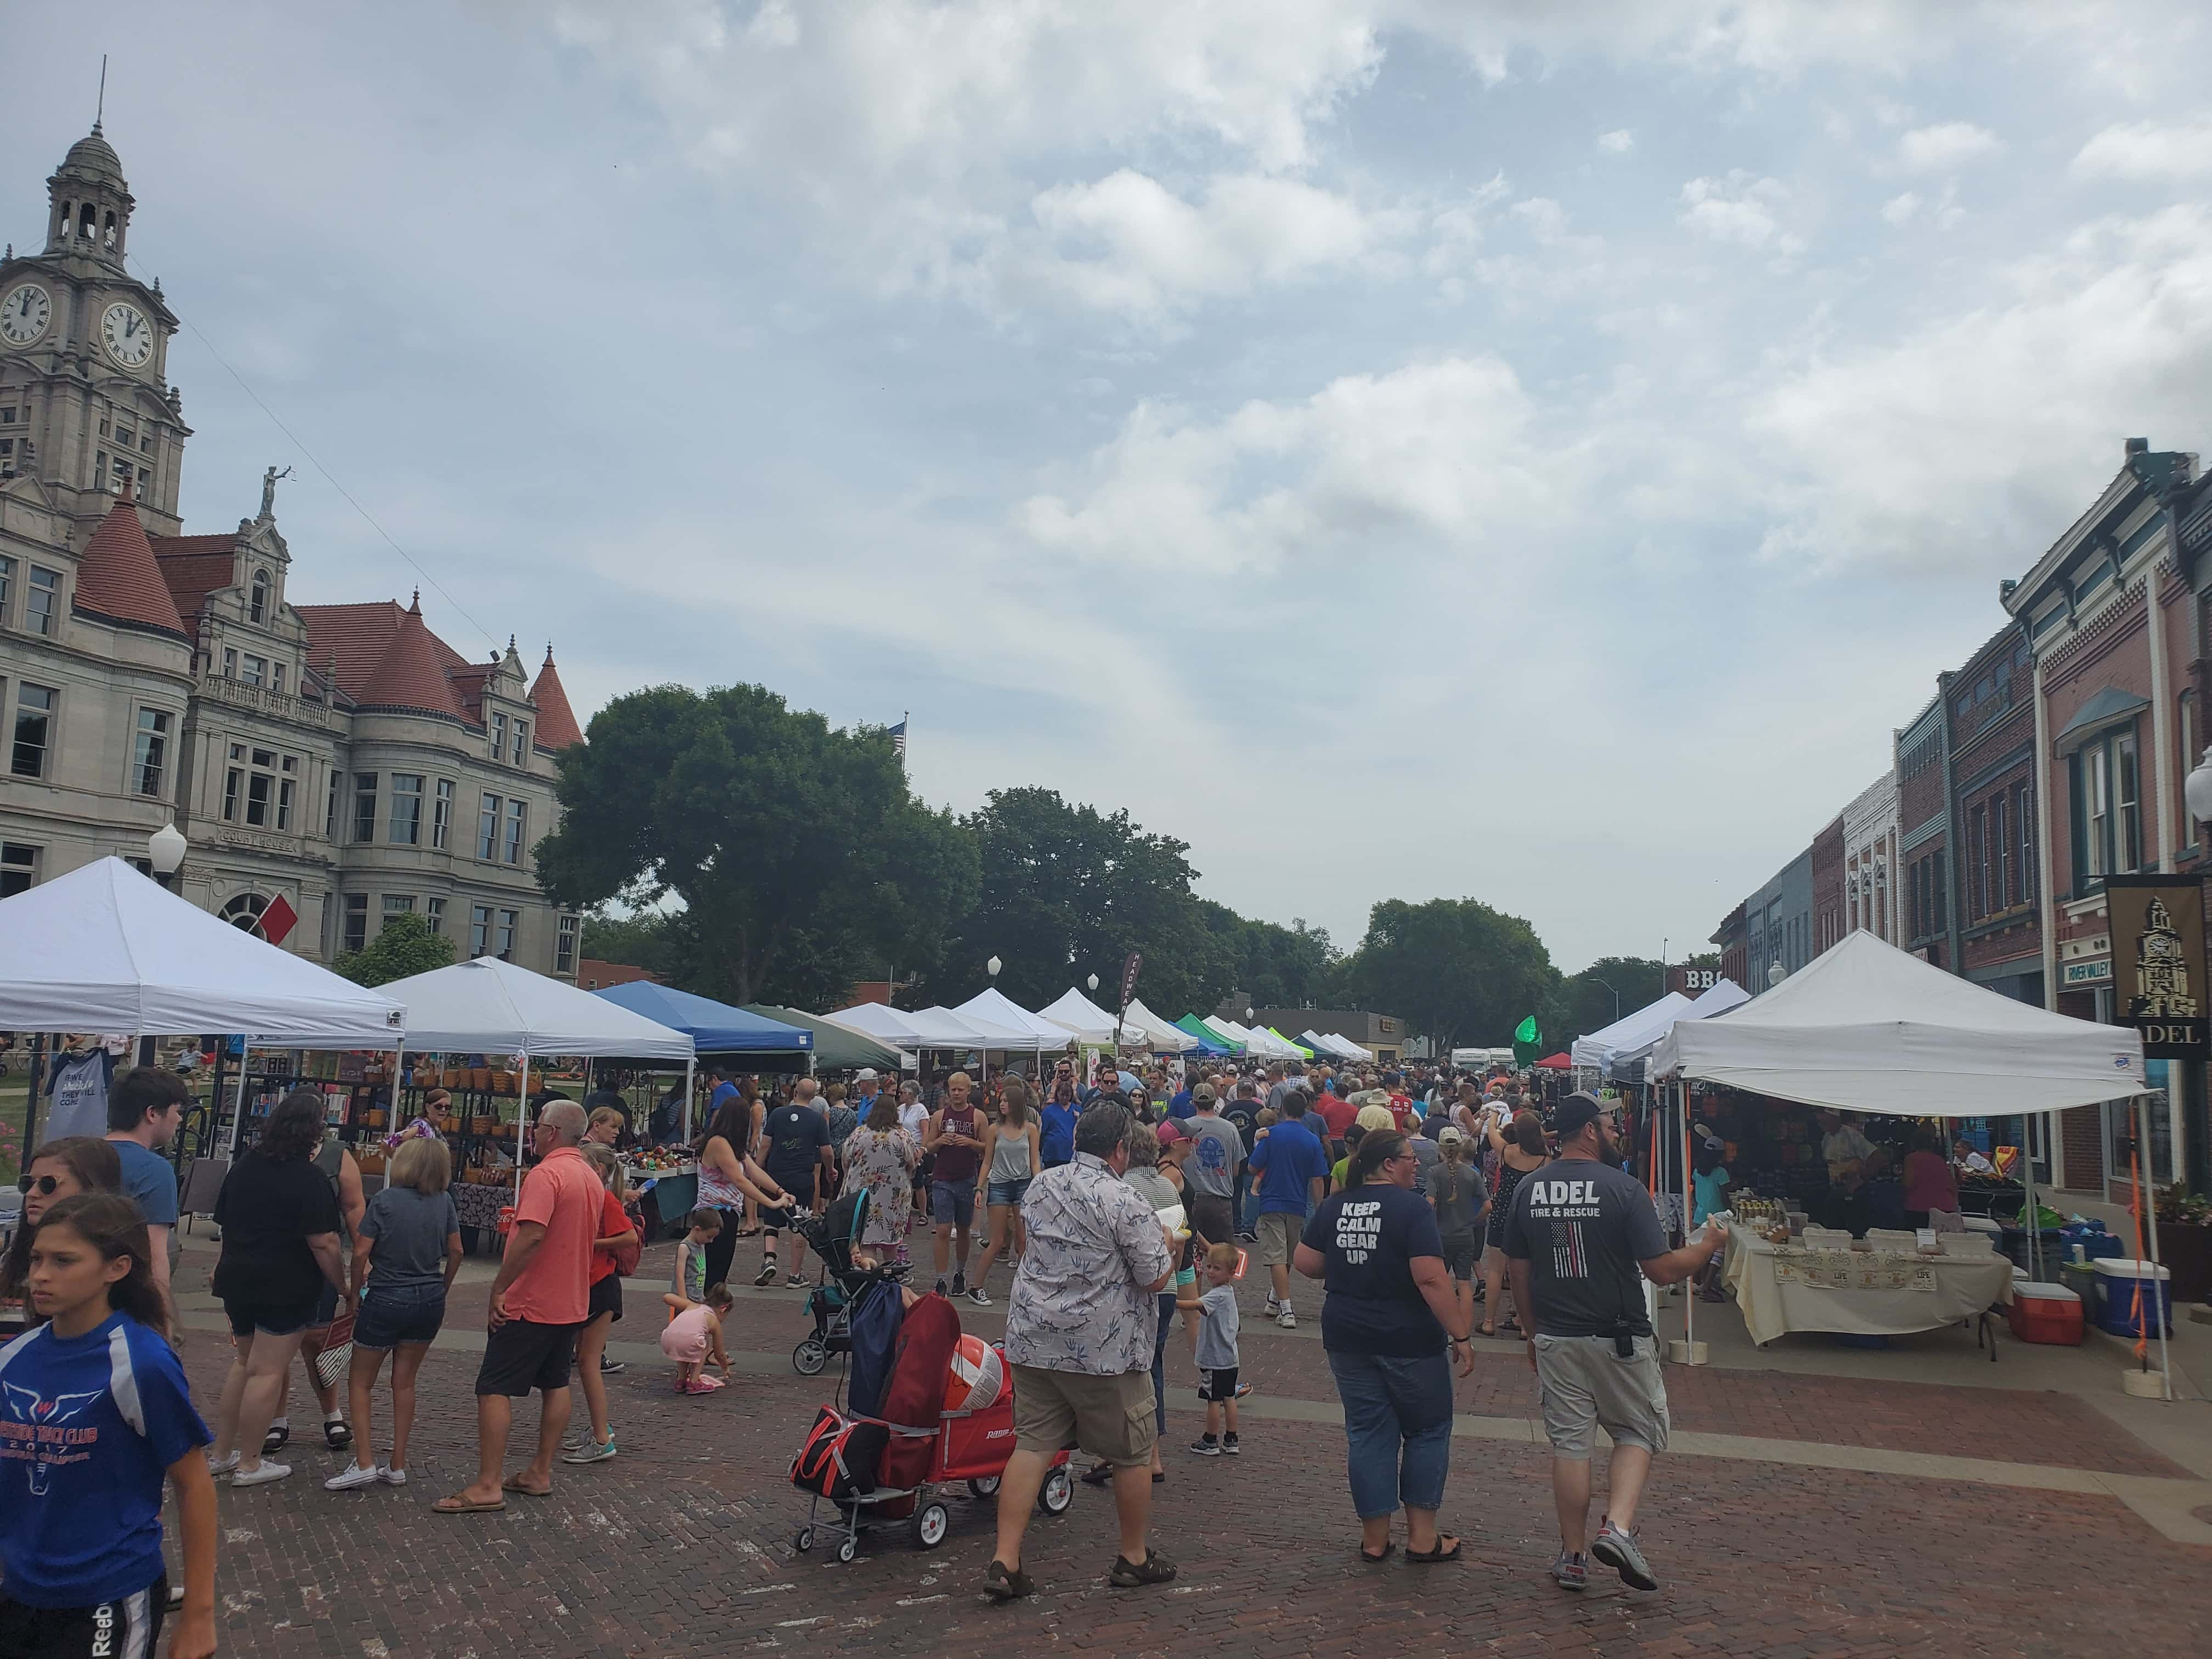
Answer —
(2158, 962)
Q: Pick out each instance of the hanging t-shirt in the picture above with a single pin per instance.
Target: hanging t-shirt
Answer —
(1582, 1227)
(77, 1096)
(80, 1483)
(795, 1135)
(1369, 1235)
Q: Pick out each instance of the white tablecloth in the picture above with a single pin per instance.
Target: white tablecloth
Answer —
(1781, 1289)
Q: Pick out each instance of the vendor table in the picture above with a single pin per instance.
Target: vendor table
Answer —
(1787, 1287)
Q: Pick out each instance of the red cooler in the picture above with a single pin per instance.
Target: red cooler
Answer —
(2045, 1313)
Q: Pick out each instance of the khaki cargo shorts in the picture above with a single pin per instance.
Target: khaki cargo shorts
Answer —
(1279, 1234)
(1109, 1417)
(1585, 1382)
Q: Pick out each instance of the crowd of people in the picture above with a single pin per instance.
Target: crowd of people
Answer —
(1118, 1206)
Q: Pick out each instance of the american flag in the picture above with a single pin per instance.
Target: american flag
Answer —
(898, 739)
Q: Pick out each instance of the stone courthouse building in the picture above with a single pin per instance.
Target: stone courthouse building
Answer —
(342, 757)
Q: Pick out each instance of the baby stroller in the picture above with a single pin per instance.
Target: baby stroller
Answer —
(833, 1233)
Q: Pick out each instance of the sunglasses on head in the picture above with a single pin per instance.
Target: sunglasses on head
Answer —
(44, 1184)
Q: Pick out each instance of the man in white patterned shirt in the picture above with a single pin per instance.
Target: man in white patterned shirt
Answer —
(1079, 1331)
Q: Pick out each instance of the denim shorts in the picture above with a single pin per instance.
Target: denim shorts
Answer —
(1008, 1191)
(394, 1315)
(952, 1203)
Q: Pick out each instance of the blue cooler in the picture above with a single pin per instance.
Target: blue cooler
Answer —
(2117, 1279)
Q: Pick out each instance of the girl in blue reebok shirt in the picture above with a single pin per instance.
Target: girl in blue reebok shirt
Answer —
(95, 1413)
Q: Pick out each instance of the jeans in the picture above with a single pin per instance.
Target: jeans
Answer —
(1159, 1362)
(1397, 1429)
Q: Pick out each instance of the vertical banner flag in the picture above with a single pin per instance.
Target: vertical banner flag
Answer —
(2158, 961)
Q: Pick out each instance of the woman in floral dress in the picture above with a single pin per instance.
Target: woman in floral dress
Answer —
(881, 1155)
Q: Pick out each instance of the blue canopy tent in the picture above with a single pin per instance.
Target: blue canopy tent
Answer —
(715, 1028)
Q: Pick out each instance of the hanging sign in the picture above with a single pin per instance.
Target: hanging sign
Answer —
(2158, 961)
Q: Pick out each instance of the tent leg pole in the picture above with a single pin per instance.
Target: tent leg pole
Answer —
(2146, 1196)
(521, 1121)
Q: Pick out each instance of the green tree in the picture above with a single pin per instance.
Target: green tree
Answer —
(403, 947)
(1066, 891)
(795, 850)
(1591, 998)
(1459, 971)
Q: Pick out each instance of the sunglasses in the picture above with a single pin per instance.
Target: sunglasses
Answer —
(44, 1184)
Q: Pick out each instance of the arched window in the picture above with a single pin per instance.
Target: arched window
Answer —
(244, 912)
(258, 610)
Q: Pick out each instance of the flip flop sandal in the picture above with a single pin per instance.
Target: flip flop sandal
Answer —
(1429, 1558)
(1388, 1550)
(460, 1505)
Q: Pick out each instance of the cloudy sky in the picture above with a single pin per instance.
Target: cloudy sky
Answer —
(1533, 451)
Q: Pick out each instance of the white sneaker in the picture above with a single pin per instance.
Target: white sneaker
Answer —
(266, 1472)
(1289, 1320)
(389, 1476)
(224, 1466)
(349, 1477)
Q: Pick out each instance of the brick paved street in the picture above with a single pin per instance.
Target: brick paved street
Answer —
(683, 1545)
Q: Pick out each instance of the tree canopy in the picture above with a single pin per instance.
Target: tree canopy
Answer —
(796, 850)
(403, 947)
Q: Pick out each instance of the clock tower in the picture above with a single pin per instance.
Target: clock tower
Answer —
(86, 407)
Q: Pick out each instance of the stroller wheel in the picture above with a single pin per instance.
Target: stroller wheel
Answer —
(805, 1540)
(1059, 1491)
(809, 1357)
(847, 1550)
(931, 1524)
(985, 1486)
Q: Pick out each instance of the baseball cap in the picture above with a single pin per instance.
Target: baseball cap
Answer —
(1575, 1112)
(866, 1075)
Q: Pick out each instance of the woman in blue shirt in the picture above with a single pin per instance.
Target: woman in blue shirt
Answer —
(95, 1413)
(1390, 1314)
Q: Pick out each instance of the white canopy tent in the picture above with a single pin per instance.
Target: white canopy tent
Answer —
(1714, 999)
(996, 1007)
(106, 949)
(1164, 1036)
(1640, 1027)
(1088, 1021)
(1864, 1027)
(488, 1006)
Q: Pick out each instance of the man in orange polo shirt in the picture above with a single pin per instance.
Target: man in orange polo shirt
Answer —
(539, 1304)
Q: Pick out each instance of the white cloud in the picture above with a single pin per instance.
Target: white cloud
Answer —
(1972, 441)
(1619, 141)
(2148, 150)
(1947, 145)
(1740, 209)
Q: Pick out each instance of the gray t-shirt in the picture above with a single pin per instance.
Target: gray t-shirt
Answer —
(1217, 1329)
(1216, 1149)
(1458, 1193)
(410, 1230)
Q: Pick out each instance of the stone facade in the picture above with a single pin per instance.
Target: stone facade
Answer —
(341, 756)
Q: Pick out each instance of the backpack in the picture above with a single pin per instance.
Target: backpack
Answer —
(839, 1457)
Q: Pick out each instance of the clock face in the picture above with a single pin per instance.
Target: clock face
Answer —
(127, 334)
(24, 313)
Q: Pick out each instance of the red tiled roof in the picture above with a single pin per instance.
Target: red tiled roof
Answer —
(380, 654)
(119, 579)
(411, 673)
(556, 721)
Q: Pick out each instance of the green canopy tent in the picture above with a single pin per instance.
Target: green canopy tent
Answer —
(836, 1047)
(1211, 1040)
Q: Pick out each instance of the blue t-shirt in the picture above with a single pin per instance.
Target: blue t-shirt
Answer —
(1368, 1234)
(149, 1180)
(1285, 1159)
(80, 1484)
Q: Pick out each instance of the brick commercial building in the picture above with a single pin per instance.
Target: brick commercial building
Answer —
(340, 756)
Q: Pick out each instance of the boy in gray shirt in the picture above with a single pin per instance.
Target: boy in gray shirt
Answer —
(1217, 1350)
